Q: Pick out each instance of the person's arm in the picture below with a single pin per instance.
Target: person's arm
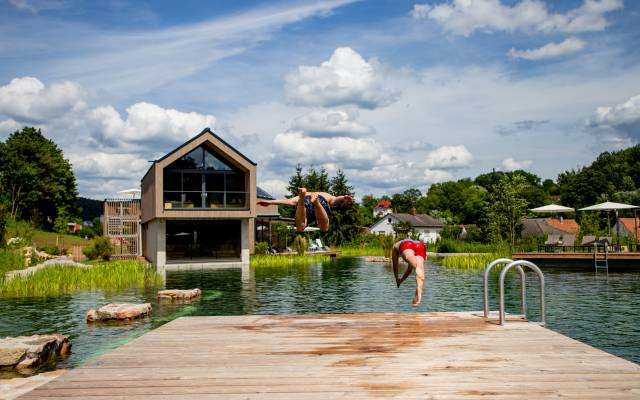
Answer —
(333, 200)
(394, 259)
(280, 202)
(406, 274)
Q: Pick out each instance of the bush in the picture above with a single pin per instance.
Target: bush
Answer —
(101, 249)
(300, 244)
(262, 248)
(451, 232)
(3, 223)
(386, 242)
(51, 250)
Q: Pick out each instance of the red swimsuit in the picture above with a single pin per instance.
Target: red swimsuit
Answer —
(415, 245)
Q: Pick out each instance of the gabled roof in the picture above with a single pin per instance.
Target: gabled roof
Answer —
(548, 226)
(384, 203)
(630, 224)
(204, 132)
(417, 221)
(567, 225)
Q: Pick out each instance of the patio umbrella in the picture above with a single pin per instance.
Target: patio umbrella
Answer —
(552, 208)
(132, 192)
(609, 206)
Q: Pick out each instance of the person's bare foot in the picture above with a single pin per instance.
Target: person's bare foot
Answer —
(302, 192)
(416, 300)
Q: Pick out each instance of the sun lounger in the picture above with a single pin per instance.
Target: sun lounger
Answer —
(587, 240)
(321, 247)
(552, 240)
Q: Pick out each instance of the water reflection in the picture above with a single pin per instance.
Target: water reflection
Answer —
(597, 309)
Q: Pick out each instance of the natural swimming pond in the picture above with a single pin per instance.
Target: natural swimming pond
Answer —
(598, 309)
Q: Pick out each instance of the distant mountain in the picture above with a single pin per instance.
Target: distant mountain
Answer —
(89, 208)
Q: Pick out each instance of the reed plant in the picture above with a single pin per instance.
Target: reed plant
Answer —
(264, 260)
(300, 244)
(474, 261)
(10, 259)
(387, 242)
(55, 281)
(360, 251)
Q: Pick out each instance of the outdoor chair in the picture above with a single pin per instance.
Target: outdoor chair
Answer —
(568, 240)
(552, 240)
(322, 247)
(312, 247)
(604, 240)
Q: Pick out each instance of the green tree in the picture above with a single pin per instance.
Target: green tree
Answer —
(34, 177)
(404, 202)
(296, 181)
(506, 207)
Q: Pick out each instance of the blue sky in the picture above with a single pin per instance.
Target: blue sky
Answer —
(398, 94)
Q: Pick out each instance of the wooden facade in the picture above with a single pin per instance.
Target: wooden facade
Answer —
(122, 226)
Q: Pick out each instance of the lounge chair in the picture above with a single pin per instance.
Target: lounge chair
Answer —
(312, 247)
(568, 240)
(604, 240)
(321, 247)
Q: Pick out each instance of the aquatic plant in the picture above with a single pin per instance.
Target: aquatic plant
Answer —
(59, 280)
(473, 261)
(387, 242)
(360, 251)
(10, 259)
(300, 244)
(262, 260)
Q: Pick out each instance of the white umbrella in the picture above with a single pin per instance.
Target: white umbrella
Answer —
(132, 192)
(608, 206)
(311, 229)
(552, 208)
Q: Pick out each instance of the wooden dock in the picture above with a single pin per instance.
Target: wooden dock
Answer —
(619, 260)
(416, 356)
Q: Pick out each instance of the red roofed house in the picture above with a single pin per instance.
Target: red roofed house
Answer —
(628, 227)
(565, 229)
(383, 208)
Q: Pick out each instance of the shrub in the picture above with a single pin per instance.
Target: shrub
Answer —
(3, 223)
(386, 242)
(300, 244)
(101, 249)
(451, 232)
(51, 250)
(262, 248)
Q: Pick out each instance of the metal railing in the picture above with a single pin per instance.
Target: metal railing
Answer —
(518, 265)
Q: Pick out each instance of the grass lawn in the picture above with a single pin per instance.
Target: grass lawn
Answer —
(48, 239)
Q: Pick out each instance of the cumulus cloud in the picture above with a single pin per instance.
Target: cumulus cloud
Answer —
(28, 99)
(108, 165)
(437, 175)
(331, 123)
(621, 121)
(8, 126)
(509, 164)
(146, 122)
(294, 148)
(346, 78)
(449, 157)
(551, 50)
(464, 17)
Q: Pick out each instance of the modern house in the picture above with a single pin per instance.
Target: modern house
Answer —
(425, 225)
(198, 205)
(565, 229)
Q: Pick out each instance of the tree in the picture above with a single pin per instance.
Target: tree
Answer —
(339, 186)
(34, 177)
(296, 181)
(405, 201)
(506, 206)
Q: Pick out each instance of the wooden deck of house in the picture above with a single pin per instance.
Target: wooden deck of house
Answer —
(361, 356)
(619, 260)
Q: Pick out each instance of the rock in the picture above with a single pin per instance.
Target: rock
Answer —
(179, 295)
(119, 312)
(376, 259)
(32, 351)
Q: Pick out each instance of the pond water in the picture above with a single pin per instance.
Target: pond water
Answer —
(598, 309)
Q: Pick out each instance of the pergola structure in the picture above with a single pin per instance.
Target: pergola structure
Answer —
(122, 226)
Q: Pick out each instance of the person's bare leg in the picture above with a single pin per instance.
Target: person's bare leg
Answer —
(419, 281)
(301, 212)
(321, 214)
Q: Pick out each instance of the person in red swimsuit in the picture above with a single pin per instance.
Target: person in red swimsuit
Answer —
(414, 254)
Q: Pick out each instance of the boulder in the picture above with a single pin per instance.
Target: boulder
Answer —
(119, 312)
(376, 259)
(32, 351)
(179, 295)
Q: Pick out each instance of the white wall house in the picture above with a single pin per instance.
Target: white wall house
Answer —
(382, 208)
(426, 226)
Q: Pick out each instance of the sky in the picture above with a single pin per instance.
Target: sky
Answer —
(398, 94)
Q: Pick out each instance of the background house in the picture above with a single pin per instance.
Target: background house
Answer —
(198, 205)
(382, 208)
(427, 227)
(566, 229)
(628, 227)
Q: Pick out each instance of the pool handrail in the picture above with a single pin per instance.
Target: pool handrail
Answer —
(523, 290)
(503, 274)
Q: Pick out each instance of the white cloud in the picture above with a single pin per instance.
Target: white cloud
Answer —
(464, 17)
(28, 99)
(8, 126)
(346, 78)
(109, 165)
(147, 122)
(449, 157)
(437, 176)
(295, 148)
(331, 123)
(551, 50)
(275, 187)
(509, 164)
(621, 120)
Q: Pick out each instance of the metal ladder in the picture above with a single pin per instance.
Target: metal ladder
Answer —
(523, 306)
(603, 263)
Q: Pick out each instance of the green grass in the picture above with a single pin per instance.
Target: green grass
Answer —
(460, 246)
(478, 261)
(47, 239)
(264, 260)
(10, 260)
(360, 251)
(55, 281)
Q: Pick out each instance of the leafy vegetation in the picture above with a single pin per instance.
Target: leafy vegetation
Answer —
(101, 248)
(477, 261)
(10, 260)
(300, 244)
(264, 260)
(351, 250)
(55, 281)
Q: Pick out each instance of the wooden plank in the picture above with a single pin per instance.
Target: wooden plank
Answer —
(359, 356)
